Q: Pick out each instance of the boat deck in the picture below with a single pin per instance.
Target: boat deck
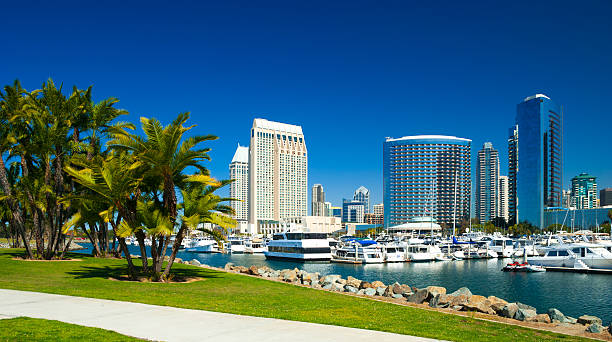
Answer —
(578, 270)
(347, 261)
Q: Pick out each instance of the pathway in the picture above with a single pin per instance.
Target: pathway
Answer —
(163, 323)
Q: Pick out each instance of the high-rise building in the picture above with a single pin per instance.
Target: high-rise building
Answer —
(278, 171)
(487, 183)
(239, 189)
(318, 201)
(421, 173)
(328, 209)
(362, 194)
(605, 197)
(584, 191)
(335, 211)
(512, 172)
(379, 209)
(539, 156)
(503, 198)
(353, 211)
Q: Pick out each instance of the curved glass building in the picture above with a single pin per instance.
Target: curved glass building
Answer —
(419, 178)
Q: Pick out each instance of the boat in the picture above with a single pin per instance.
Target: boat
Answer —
(299, 246)
(422, 252)
(255, 246)
(522, 267)
(393, 252)
(357, 253)
(202, 245)
(444, 258)
(503, 246)
(575, 255)
(235, 244)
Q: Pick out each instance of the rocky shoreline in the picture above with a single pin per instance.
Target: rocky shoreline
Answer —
(461, 300)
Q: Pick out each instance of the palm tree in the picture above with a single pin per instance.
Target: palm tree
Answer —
(167, 156)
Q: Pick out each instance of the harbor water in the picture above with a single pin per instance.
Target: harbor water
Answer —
(573, 293)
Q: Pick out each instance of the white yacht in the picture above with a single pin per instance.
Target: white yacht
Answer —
(393, 252)
(503, 246)
(255, 246)
(235, 244)
(299, 246)
(356, 252)
(422, 252)
(575, 255)
(202, 245)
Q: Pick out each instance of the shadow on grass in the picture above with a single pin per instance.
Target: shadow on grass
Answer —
(120, 272)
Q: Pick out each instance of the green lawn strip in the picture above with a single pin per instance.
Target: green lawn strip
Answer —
(33, 329)
(238, 294)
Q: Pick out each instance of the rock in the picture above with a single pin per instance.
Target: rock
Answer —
(380, 291)
(370, 291)
(262, 270)
(253, 270)
(315, 284)
(525, 306)
(341, 281)
(337, 287)
(610, 328)
(194, 262)
(327, 286)
(557, 316)
(524, 314)
(462, 291)
(290, 276)
(479, 304)
(436, 290)
(457, 307)
(509, 310)
(377, 284)
(595, 328)
(389, 292)
(241, 269)
(435, 301)
(361, 292)
(497, 304)
(178, 260)
(365, 285)
(354, 282)
(571, 320)
(587, 320)
(419, 297)
(397, 296)
(541, 318)
(350, 288)
(330, 279)
(459, 300)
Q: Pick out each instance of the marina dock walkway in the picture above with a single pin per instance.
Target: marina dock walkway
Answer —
(163, 323)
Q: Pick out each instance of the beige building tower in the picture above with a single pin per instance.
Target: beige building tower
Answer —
(239, 189)
(278, 172)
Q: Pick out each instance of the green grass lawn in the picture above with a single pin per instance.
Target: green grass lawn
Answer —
(234, 293)
(33, 329)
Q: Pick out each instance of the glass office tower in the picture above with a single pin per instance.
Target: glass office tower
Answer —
(539, 153)
(419, 174)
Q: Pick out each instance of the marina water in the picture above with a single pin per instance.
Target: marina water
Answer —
(573, 293)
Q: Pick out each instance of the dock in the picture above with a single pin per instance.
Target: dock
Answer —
(579, 270)
(347, 261)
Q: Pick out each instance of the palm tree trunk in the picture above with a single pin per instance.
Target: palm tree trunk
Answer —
(175, 248)
(143, 250)
(16, 219)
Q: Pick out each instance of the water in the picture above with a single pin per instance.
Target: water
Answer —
(573, 293)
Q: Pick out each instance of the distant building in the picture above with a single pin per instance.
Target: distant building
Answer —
(566, 201)
(512, 173)
(419, 175)
(327, 209)
(318, 201)
(417, 226)
(379, 209)
(352, 211)
(605, 197)
(539, 158)
(362, 194)
(313, 224)
(584, 191)
(372, 218)
(335, 211)
(487, 183)
(278, 171)
(239, 189)
(503, 198)
(580, 219)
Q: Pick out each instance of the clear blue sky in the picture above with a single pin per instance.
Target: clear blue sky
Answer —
(349, 73)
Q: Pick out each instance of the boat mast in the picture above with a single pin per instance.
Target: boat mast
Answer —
(455, 205)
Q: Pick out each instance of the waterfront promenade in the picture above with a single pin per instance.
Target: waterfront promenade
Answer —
(162, 323)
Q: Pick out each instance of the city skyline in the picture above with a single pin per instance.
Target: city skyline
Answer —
(373, 76)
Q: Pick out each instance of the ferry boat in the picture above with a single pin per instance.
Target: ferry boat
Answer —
(575, 255)
(299, 246)
(358, 253)
(255, 246)
(202, 245)
(235, 244)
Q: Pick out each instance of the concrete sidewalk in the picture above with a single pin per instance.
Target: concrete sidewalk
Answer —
(163, 323)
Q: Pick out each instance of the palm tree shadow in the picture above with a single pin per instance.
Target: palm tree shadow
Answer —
(120, 273)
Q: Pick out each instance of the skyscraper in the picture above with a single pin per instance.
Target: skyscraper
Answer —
(353, 211)
(362, 194)
(278, 171)
(379, 209)
(419, 174)
(512, 171)
(318, 201)
(605, 197)
(539, 177)
(584, 191)
(239, 189)
(487, 183)
(503, 198)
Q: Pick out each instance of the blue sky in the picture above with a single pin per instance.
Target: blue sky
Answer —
(350, 73)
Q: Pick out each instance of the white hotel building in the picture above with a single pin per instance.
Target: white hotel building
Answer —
(239, 189)
(278, 169)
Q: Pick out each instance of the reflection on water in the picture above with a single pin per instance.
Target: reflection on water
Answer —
(572, 293)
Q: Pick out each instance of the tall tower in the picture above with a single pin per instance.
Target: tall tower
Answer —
(420, 173)
(487, 184)
(318, 201)
(239, 189)
(512, 172)
(584, 191)
(539, 180)
(278, 172)
(503, 198)
(362, 194)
